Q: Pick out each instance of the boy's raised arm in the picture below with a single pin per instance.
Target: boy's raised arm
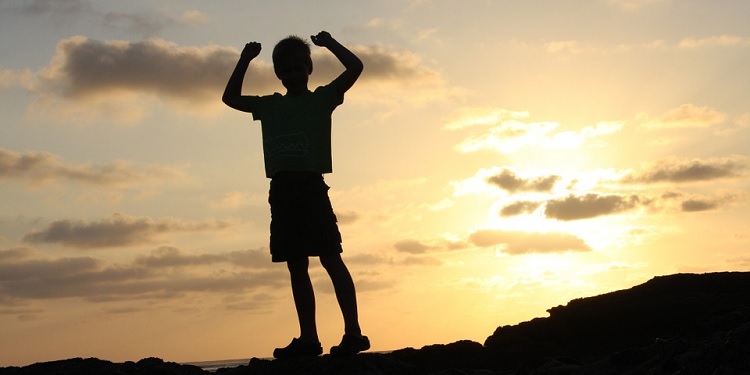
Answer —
(351, 62)
(233, 92)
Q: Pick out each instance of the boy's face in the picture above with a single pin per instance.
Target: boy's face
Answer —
(293, 71)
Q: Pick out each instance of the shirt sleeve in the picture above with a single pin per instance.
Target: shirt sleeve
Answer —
(262, 104)
(331, 95)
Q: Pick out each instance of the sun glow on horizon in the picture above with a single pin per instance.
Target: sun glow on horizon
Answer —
(486, 168)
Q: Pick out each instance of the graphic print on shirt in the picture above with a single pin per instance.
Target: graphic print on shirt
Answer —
(295, 144)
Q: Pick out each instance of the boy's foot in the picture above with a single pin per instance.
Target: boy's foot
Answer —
(298, 348)
(351, 344)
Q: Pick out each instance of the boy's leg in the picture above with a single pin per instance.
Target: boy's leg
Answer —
(353, 342)
(345, 293)
(304, 299)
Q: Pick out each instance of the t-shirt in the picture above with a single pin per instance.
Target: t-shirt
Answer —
(297, 129)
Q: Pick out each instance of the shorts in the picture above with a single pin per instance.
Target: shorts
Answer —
(302, 220)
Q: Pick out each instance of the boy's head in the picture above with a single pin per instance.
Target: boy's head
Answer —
(291, 60)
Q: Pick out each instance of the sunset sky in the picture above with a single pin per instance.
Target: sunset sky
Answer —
(494, 160)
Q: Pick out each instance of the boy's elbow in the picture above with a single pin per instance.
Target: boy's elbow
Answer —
(357, 68)
(228, 100)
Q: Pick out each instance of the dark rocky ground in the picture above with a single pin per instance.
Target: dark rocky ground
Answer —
(678, 324)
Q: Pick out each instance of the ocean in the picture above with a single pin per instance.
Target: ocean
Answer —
(212, 366)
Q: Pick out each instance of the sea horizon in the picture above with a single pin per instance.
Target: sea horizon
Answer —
(212, 366)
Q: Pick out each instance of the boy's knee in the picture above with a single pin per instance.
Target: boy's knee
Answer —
(331, 261)
(298, 265)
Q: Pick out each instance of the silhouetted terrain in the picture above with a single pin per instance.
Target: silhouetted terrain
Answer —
(678, 324)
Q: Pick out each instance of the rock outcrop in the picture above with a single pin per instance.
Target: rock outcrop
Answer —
(677, 324)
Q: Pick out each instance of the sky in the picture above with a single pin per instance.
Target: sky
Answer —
(494, 160)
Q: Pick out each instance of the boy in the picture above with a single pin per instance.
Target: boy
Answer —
(296, 131)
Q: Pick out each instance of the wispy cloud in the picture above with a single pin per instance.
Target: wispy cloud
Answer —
(684, 116)
(502, 131)
(41, 168)
(117, 231)
(516, 243)
(33, 276)
(49, 7)
(698, 203)
(471, 117)
(573, 47)
(171, 257)
(391, 75)
(694, 170)
(634, 4)
(411, 246)
(716, 40)
(145, 23)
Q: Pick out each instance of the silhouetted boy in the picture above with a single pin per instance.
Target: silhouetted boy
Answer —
(296, 131)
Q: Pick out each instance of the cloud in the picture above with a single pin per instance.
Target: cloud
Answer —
(703, 203)
(589, 206)
(35, 276)
(143, 24)
(516, 243)
(84, 68)
(370, 259)
(422, 261)
(411, 246)
(390, 75)
(741, 121)
(135, 23)
(684, 116)
(347, 217)
(633, 4)
(193, 17)
(697, 203)
(471, 117)
(568, 46)
(117, 231)
(88, 79)
(493, 181)
(520, 207)
(683, 171)
(694, 205)
(509, 181)
(502, 131)
(717, 40)
(49, 7)
(168, 256)
(16, 254)
(39, 168)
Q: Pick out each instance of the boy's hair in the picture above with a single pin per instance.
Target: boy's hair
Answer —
(290, 46)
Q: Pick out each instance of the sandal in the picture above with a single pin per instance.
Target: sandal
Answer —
(351, 344)
(298, 348)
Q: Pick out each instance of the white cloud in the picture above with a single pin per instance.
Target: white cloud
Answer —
(528, 242)
(501, 131)
(684, 116)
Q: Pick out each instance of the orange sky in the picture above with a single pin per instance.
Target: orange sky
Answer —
(494, 160)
